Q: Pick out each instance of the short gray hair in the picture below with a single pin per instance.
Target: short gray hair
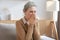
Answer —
(28, 5)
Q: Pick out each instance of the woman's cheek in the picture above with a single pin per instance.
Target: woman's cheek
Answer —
(29, 16)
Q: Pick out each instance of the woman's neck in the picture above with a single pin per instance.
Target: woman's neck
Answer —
(26, 18)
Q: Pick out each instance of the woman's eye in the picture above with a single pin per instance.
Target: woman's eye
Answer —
(31, 11)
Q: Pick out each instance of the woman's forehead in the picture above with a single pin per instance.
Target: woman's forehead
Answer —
(32, 8)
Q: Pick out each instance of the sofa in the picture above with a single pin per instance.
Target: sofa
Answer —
(48, 28)
(7, 31)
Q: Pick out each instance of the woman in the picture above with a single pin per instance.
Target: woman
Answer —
(27, 27)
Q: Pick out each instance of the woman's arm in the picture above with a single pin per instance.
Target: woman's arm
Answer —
(29, 32)
(20, 31)
(36, 32)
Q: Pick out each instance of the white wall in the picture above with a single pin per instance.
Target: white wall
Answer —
(15, 8)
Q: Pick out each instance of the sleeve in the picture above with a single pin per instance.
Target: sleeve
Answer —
(36, 34)
(20, 31)
(29, 32)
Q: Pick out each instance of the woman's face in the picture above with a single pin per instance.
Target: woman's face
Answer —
(29, 12)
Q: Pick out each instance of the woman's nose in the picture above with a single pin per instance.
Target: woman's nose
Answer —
(32, 13)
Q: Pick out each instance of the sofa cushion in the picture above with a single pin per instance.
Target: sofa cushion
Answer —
(7, 31)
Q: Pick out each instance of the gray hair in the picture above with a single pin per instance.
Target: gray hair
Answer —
(28, 5)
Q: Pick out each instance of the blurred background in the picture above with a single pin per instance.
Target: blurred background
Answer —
(48, 12)
(13, 9)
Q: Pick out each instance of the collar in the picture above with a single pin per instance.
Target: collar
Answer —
(25, 21)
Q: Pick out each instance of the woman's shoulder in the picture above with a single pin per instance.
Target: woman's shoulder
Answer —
(19, 21)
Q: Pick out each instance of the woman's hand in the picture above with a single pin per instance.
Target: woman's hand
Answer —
(32, 20)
